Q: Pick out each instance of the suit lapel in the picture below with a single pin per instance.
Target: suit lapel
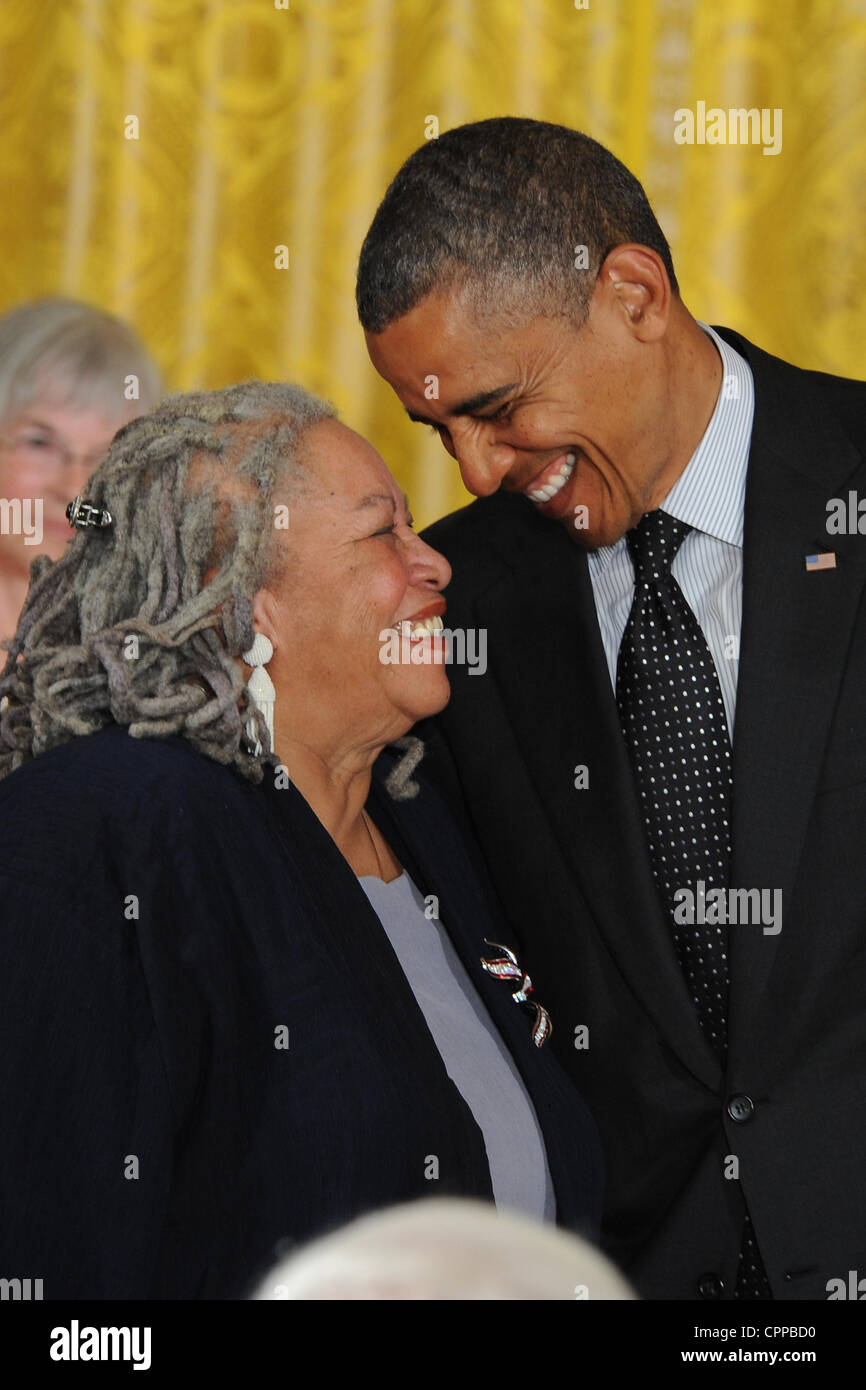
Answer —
(429, 847)
(546, 656)
(431, 853)
(795, 635)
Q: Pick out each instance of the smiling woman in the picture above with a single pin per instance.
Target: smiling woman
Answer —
(260, 991)
(353, 568)
(70, 376)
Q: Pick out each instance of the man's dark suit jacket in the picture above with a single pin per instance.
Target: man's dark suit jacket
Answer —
(572, 869)
(163, 919)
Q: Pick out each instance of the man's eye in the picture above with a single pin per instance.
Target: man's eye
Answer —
(386, 530)
(500, 413)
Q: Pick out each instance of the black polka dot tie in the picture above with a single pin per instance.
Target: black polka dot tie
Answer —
(674, 724)
(673, 719)
(752, 1281)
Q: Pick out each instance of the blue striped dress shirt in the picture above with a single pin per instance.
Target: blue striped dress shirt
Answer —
(709, 496)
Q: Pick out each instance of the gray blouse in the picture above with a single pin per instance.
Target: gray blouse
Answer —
(475, 1057)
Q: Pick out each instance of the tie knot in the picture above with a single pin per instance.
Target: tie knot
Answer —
(653, 544)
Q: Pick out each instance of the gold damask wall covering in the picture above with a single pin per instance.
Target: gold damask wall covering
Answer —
(257, 126)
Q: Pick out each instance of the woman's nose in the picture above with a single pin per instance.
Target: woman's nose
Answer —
(430, 565)
(70, 479)
(78, 472)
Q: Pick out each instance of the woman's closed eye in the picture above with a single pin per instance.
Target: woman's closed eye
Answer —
(35, 441)
(392, 529)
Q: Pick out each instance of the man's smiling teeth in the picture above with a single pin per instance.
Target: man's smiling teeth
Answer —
(556, 482)
(426, 627)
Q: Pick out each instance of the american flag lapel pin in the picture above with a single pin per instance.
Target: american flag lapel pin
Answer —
(825, 560)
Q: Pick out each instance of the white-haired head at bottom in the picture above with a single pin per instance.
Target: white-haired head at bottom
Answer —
(445, 1248)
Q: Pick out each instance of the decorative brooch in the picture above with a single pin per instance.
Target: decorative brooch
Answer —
(506, 967)
(84, 514)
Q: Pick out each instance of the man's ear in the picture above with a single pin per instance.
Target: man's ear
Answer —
(637, 281)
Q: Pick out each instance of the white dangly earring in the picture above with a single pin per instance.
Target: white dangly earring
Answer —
(261, 687)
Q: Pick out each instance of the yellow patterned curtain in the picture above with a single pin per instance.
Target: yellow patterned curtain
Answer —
(156, 152)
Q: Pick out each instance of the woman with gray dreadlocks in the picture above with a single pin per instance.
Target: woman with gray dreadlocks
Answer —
(252, 978)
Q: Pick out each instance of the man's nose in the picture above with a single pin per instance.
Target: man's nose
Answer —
(483, 465)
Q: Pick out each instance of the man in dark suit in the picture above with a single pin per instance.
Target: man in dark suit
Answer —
(666, 762)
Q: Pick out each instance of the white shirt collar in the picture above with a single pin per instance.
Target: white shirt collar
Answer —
(709, 494)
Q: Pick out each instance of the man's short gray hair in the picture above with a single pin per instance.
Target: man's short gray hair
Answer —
(515, 215)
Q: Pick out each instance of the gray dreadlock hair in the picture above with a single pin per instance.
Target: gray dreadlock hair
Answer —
(190, 488)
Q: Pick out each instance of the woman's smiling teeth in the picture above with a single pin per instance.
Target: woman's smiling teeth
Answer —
(555, 482)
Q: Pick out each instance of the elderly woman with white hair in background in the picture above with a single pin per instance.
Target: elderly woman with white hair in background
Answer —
(253, 982)
(70, 376)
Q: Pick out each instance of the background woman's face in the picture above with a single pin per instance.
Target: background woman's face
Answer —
(354, 570)
(48, 452)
